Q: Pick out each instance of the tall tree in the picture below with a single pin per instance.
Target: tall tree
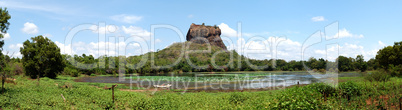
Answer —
(41, 57)
(360, 63)
(344, 63)
(390, 59)
(4, 24)
(390, 55)
(372, 64)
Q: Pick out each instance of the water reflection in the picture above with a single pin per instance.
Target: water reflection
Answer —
(223, 81)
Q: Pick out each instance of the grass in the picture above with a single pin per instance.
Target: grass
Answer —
(26, 94)
(354, 79)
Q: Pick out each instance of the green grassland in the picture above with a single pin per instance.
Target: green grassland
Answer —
(26, 94)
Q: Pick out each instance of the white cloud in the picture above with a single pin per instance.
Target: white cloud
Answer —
(282, 48)
(13, 54)
(126, 18)
(350, 50)
(271, 48)
(6, 36)
(14, 50)
(323, 52)
(30, 28)
(137, 31)
(343, 33)
(318, 18)
(104, 29)
(102, 48)
(227, 31)
(65, 49)
(381, 44)
(15, 46)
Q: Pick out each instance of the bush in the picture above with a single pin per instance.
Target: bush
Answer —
(321, 70)
(322, 88)
(349, 89)
(71, 71)
(377, 76)
(291, 69)
(298, 98)
(18, 70)
(237, 98)
(395, 70)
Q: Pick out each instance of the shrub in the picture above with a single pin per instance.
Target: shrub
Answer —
(298, 98)
(18, 70)
(71, 71)
(395, 70)
(291, 69)
(315, 70)
(237, 98)
(322, 70)
(377, 76)
(349, 89)
(323, 88)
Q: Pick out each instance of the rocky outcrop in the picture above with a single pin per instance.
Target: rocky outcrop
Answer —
(205, 34)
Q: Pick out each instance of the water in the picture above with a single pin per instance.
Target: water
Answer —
(222, 81)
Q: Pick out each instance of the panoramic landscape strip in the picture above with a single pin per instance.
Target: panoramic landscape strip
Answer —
(54, 56)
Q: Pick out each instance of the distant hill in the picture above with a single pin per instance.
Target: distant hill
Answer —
(195, 57)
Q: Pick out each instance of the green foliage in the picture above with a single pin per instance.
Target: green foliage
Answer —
(360, 63)
(79, 95)
(395, 70)
(345, 64)
(381, 76)
(13, 68)
(372, 64)
(4, 24)
(298, 98)
(237, 98)
(350, 89)
(390, 59)
(200, 62)
(41, 57)
(213, 60)
(390, 55)
(323, 88)
(71, 71)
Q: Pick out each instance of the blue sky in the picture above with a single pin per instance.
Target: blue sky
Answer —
(364, 27)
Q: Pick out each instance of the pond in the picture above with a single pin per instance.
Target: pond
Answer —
(222, 81)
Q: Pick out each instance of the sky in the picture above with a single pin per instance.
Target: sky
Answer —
(290, 30)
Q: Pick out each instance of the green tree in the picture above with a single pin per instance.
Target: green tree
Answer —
(360, 63)
(344, 63)
(372, 64)
(41, 58)
(4, 24)
(390, 55)
(390, 59)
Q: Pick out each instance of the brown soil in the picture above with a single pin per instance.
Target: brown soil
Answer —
(385, 98)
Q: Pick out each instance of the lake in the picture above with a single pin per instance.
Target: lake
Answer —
(222, 81)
